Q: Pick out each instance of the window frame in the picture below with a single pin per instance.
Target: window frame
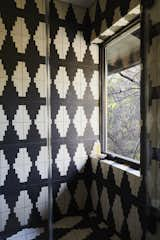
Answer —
(135, 164)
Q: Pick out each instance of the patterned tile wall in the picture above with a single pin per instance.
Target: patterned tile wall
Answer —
(74, 105)
(153, 124)
(23, 132)
(74, 99)
(109, 16)
(117, 194)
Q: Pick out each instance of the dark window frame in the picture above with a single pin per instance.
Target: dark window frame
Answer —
(113, 156)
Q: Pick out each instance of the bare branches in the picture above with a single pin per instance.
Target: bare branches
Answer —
(123, 127)
(128, 78)
(123, 91)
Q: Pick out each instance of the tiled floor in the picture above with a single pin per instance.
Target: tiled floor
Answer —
(81, 228)
(70, 228)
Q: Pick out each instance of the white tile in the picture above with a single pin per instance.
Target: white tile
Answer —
(3, 123)
(22, 165)
(43, 209)
(92, 11)
(27, 234)
(135, 183)
(20, 3)
(94, 120)
(94, 85)
(41, 80)
(78, 234)
(104, 200)
(61, 43)
(94, 50)
(80, 157)
(41, 6)
(105, 169)
(3, 32)
(63, 160)
(21, 79)
(94, 195)
(23, 208)
(42, 162)
(79, 84)
(4, 167)
(63, 198)
(22, 122)
(81, 194)
(67, 222)
(40, 38)
(62, 9)
(3, 77)
(62, 82)
(41, 121)
(118, 213)
(134, 224)
(102, 4)
(62, 121)
(20, 35)
(79, 46)
(4, 212)
(79, 13)
(80, 121)
(94, 163)
(115, 237)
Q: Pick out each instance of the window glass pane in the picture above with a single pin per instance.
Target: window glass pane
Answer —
(123, 108)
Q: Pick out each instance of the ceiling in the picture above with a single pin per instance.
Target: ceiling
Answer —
(82, 3)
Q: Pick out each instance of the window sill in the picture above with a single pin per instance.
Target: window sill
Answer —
(122, 165)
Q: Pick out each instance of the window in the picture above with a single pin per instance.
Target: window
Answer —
(122, 95)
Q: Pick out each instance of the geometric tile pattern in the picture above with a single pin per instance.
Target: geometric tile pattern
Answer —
(3, 78)
(81, 227)
(62, 121)
(74, 95)
(61, 43)
(94, 121)
(40, 38)
(23, 87)
(108, 17)
(41, 121)
(23, 208)
(42, 203)
(79, 46)
(27, 233)
(22, 122)
(21, 79)
(3, 32)
(42, 162)
(94, 85)
(22, 165)
(41, 80)
(79, 84)
(4, 212)
(4, 167)
(152, 84)
(80, 157)
(79, 197)
(23, 126)
(116, 201)
(62, 82)
(80, 121)
(63, 198)
(63, 160)
(20, 35)
(3, 123)
(20, 3)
